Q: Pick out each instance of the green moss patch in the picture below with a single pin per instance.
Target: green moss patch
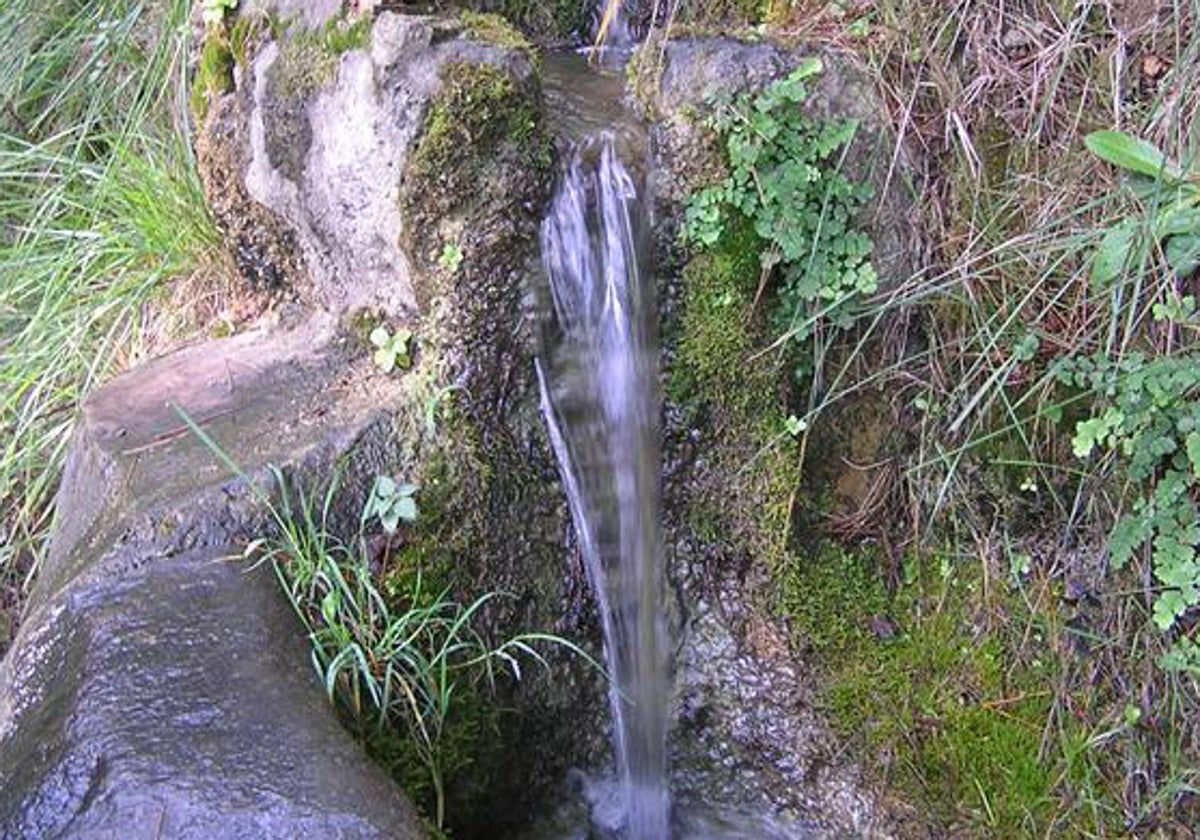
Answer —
(948, 685)
(719, 379)
(494, 29)
(308, 58)
(479, 109)
(214, 74)
(546, 21)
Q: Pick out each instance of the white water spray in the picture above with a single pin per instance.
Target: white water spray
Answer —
(599, 396)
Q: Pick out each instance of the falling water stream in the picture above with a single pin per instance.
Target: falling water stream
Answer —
(598, 374)
(599, 396)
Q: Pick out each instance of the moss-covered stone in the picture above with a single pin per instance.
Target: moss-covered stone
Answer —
(548, 22)
(491, 28)
(309, 57)
(478, 177)
(242, 36)
(492, 517)
(948, 683)
(720, 379)
(482, 112)
(214, 73)
(303, 66)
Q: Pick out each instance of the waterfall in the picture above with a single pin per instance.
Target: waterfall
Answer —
(618, 34)
(598, 381)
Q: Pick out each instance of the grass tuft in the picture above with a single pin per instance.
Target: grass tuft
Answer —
(100, 208)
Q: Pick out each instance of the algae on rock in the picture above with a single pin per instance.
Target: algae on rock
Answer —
(745, 492)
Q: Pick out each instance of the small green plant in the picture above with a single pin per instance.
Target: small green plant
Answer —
(394, 661)
(451, 257)
(391, 349)
(784, 177)
(391, 503)
(1182, 658)
(1175, 310)
(1173, 195)
(214, 11)
(1152, 419)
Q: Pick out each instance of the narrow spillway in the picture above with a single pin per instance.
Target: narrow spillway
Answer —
(599, 395)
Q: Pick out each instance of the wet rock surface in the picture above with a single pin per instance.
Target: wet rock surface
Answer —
(159, 686)
(183, 712)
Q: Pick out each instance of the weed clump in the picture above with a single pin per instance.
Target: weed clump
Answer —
(405, 662)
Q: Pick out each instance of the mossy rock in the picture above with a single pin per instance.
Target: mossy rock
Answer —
(214, 74)
(940, 681)
(547, 22)
(309, 57)
(483, 116)
(743, 493)
(491, 28)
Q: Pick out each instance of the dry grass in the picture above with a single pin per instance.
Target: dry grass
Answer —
(996, 97)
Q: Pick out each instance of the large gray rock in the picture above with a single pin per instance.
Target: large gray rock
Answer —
(157, 691)
(159, 687)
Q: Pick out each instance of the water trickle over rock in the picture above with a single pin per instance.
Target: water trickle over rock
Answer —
(600, 400)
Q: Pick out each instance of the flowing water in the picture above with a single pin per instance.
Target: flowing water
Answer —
(598, 373)
(618, 35)
(598, 377)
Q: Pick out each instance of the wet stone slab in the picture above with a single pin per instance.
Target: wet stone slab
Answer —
(159, 687)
